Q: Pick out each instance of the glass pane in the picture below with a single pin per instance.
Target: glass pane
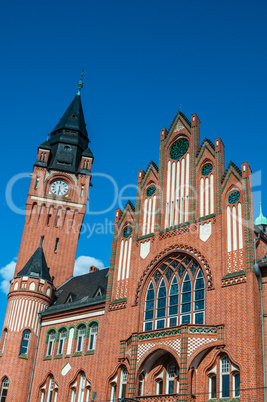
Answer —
(199, 284)
(186, 308)
(199, 305)
(150, 295)
(199, 318)
(173, 300)
(186, 298)
(161, 312)
(161, 303)
(186, 319)
(237, 385)
(162, 292)
(173, 310)
(157, 277)
(187, 287)
(160, 324)
(225, 386)
(173, 322)
(174, 289)
(149, 315)
(148, 326)
(199, 294)
(213, 386)
(150, 305)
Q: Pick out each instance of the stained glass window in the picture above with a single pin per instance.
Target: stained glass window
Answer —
(127, 231)
(179, 148)
(150, 190)
(233, 197)
(206, 169)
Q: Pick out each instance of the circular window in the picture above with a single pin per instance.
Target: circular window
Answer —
(233, 197)
(179, 148)
(150, 190)
(127, 231)
(206, 169)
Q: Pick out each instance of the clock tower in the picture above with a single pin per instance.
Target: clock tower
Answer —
(58, 193)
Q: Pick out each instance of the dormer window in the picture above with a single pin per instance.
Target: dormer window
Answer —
(98, 292)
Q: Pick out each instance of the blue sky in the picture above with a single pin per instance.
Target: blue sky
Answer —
(143, 61)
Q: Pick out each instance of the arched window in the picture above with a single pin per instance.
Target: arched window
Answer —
(61, 342)
(176, 294)
(186, 300)
(172, 378)
(4, 340)
(80, 389)
(141, 384)
(167, 379)
(173, 302)
(25, 342)
(80, 339)
(161, 305)
(92, 336)
(199, 299)
(224, 379)
(123, 383)
(4, 389)
(149, 307)
(212, 386)
(50, 344)
(113, 392)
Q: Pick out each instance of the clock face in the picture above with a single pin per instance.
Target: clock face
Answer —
(59, 187)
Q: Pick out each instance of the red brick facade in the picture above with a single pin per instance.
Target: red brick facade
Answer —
(181, 318)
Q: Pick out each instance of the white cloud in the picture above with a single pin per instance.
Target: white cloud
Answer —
(6, 274)
(83, 263)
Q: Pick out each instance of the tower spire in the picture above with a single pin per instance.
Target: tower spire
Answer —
(80, 83)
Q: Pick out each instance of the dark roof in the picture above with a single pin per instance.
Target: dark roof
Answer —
(73, 118)
(83, 287)
(36, 267)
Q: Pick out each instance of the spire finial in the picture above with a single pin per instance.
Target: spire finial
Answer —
(80, 83)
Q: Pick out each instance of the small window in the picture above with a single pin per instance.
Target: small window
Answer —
(4, 340)
(123, 383)
(51, 340)
(81, 193)
(4, 389)
(36, 183)
(80, 340)
(50, 389)
(61, 343)
(236, 384)
(80, 389)
(25, 342)
(113, 392)
(225, 377)
(159, 387)
(92, 337)
(56, 244)
(212, 387)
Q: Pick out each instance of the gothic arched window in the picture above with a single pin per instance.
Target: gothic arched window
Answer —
(176, 294)
(80, 389)
(25, 342)
(4, 389)
(92, 336)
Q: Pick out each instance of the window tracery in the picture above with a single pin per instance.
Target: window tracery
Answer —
(175, 294)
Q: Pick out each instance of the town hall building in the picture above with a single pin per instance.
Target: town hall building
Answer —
(180, 314)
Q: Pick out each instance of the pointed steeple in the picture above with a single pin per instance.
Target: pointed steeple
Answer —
(73, 118)
(69, 139)
(36, 267)
(261, 220)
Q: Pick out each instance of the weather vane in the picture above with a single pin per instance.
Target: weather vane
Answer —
(80, 83)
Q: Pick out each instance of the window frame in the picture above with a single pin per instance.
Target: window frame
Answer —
(80, 338)
(50, 342)
(185, 272)
(26, 333)
(93, 336)
(61, 341)
(4, 387)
